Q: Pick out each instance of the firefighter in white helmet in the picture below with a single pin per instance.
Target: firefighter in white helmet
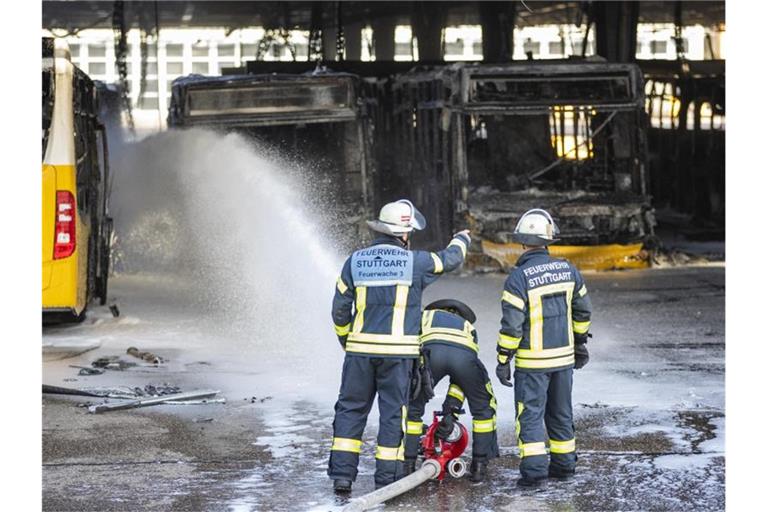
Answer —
(377, 317)
(545, 322)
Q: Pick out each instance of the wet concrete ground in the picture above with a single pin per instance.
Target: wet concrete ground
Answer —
(649, 410)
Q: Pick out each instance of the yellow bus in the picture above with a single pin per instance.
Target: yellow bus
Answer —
(76, 225)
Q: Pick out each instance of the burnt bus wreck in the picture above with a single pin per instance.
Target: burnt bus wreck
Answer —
(474, 145)
(480, 144)
(315, 119)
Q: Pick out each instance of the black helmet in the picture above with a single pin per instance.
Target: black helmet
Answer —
(454, 306)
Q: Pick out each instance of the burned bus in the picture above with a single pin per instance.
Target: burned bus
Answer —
(314, 119)
(479, 144)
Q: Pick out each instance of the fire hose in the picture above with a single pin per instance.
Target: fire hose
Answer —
(428, 471)
(441, 456)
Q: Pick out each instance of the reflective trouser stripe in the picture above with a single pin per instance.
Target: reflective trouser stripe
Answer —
(438, 263)
(342, 330)
(482, 426)
(456, 392)
(556, 446)
(520, 408)
(580, 327)
(513, 299)
(489, 388)
(344, 444)
(389, 453)
(531, 449)
(415, 428)
(341, 286)
(403, 423)
(555, 362)
(361, 294)
(461, 244)
(508, 342)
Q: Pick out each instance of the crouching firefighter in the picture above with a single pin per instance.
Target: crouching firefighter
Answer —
(544, 327)
(376, 312)
(449, 347)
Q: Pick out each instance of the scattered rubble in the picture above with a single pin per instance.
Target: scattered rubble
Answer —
(260, 400)
(112, 363)
(146, 356)
(85, 370)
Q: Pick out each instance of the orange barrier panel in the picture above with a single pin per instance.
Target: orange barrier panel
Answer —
(585, 257)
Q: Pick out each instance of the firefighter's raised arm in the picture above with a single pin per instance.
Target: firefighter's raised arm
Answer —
(450, 258)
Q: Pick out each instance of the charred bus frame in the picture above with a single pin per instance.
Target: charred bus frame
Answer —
(480, 144)
(295, 113)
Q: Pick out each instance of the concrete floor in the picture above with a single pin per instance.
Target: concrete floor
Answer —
(649, 407)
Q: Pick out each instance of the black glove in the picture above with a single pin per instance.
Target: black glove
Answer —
(343, 342)
(580, 339)
(445, 427)
(421, 381)
(504, 373)
(581, 354)
(416, 381)
(427, 382)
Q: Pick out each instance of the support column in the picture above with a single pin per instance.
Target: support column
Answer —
(498, 22)
(427, 22)
(329, 43)
(384, 38)
(353, 41)
(616, 30)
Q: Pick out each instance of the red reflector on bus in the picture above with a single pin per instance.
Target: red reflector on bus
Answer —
(64, 237)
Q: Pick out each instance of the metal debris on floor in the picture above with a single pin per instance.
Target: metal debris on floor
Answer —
(145, 402)
(85, 370)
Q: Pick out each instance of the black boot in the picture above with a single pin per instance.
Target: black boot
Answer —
(342, 486)
(478, 470)
(409, 466)
(529, 482)
(561, 474)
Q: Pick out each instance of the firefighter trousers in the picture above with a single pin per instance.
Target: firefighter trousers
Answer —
(468, 378)
(545, 417)
(362, 378)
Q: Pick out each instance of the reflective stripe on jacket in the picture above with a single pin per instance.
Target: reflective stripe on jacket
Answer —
(442, 327)
(383, 320)
(543, 304)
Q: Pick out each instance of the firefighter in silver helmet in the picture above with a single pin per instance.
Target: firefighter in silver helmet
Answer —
(545, 322)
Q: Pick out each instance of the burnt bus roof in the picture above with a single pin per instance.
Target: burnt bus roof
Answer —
(533, 87)
(268, 99)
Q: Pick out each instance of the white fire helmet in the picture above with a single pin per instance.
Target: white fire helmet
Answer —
(398, 218)
(535, 228)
